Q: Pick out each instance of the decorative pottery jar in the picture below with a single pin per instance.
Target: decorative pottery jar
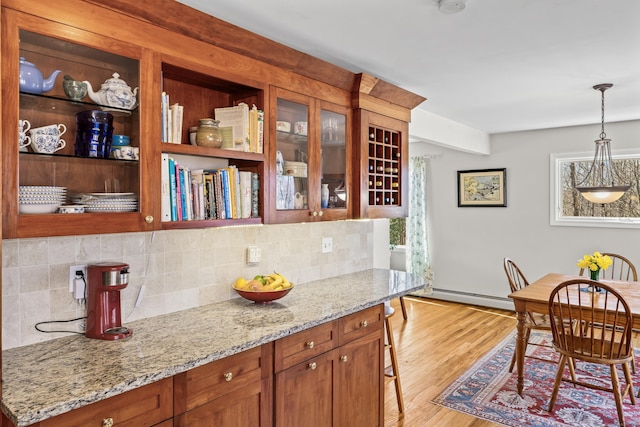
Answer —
(208, 133)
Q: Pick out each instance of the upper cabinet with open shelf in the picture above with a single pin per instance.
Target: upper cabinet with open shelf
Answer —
(201, 66)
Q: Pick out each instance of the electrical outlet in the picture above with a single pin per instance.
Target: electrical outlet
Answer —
(327, 245)
(72, 275)
(254, 255)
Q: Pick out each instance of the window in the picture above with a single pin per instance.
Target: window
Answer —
(397, 232)
(569, 208)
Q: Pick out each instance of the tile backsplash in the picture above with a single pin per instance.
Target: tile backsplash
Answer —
(179, 269)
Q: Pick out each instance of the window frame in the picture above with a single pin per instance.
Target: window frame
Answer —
(555, 204)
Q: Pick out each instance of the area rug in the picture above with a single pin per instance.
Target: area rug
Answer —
(488, 391)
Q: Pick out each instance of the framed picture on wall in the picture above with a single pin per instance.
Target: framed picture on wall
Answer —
(482, 188)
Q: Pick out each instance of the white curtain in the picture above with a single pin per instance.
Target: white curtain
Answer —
(418, 258)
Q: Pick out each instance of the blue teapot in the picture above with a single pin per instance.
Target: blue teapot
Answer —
(31, 79)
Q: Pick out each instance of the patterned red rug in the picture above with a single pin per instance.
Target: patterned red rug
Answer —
(488, 391)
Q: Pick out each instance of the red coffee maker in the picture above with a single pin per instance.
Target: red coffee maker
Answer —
(105, 281)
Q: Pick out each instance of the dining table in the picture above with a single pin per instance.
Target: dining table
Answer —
(535, 298)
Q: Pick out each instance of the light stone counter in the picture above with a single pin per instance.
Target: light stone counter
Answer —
(47, 379)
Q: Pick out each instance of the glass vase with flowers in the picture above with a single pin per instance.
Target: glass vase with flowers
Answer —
(594, 263)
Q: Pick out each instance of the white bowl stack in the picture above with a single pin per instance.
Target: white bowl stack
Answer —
(40, 199)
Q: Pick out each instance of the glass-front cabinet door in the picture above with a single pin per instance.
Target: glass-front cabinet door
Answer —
(310, 179)
(63, 124)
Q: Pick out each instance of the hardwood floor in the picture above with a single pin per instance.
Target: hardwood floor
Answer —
(438, 343)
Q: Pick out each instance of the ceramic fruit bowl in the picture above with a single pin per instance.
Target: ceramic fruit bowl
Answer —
(262, 297)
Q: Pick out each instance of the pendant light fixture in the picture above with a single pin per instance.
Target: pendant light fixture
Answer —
(599, 186)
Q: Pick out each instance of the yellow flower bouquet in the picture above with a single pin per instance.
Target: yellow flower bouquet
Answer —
(595, 262)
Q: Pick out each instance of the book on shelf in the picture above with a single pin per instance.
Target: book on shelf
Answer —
(245, 193)
(255, 195)
(166, 189)
(164, 108)
(177, 112)
(238, 119)
(172, 189)
(260, 132)
(178, 192)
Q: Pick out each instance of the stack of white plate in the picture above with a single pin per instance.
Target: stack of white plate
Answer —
(40, 199)
(107, 202)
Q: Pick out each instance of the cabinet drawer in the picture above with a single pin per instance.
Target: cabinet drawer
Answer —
(206, 383)
(303, 345)
(358, 324)
(248, 406)
(144, 406)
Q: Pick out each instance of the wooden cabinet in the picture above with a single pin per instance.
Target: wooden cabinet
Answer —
(154, 55)
(311, 154)
(148, 405)
(383, 163)
(51, 46)
(234, 391)
(332, 375)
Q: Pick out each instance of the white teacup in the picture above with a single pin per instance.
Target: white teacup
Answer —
(23, 139)
(46, 139)
(126, 152)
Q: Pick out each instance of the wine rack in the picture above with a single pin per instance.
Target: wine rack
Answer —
(384, 164)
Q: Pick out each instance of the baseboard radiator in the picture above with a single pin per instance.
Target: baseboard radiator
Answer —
(470, 298)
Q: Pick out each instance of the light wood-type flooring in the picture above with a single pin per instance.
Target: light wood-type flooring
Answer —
(438, 343)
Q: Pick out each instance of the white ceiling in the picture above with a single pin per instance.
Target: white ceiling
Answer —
(498, 66)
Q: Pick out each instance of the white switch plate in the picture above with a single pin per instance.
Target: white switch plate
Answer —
(254, 255)
(327, 245)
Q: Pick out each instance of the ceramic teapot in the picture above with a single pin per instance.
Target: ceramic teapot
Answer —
(31, 79)
(114, 92)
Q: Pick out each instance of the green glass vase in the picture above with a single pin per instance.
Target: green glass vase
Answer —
(595, 276)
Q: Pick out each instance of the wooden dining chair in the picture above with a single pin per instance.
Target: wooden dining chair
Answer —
(607, 344)
(533, 321)
(620, 269)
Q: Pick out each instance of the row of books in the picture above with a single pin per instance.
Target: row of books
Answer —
(171, 120)
(247, 124)
(198, 194)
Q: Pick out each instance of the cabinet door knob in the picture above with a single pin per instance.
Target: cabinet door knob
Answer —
(364, 324)
(310, 344)
(320, 213)
(344, 358)
(148, 219)
(107, 422)
(314, 213)
(313, 365)
(228, 376)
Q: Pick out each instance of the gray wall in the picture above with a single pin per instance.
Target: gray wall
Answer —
(468, 244)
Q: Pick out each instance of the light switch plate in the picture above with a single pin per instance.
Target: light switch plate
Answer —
(327, 245)
(254, 255)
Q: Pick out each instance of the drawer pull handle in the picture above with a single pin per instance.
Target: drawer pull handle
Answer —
(344, 358)
(107, 422)
(228, 376)
(310, 344)
(320, 213)
(364, 324)
(148, 219)
(313, 365)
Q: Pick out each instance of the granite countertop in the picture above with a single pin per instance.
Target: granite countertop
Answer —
(43, 380)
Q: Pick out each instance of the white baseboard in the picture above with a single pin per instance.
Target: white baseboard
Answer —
(474, 299)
